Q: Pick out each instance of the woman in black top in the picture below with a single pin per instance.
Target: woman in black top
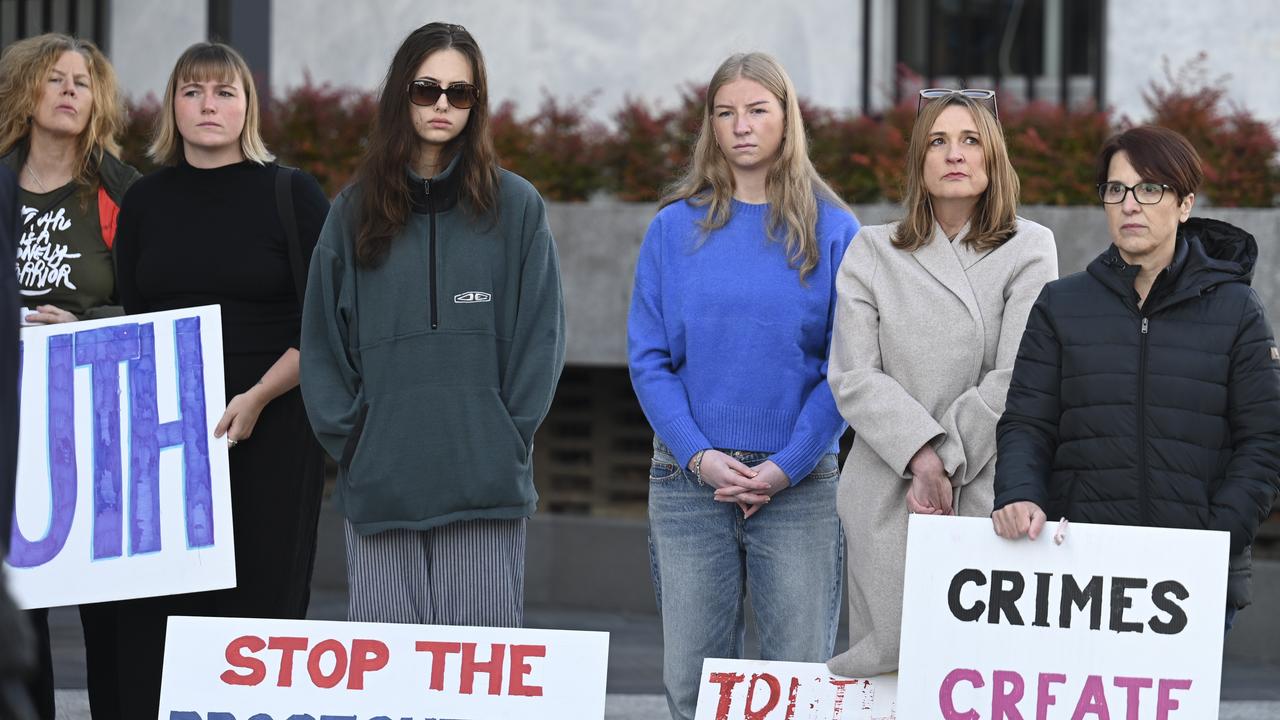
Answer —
(207, 230)
(1147, 388)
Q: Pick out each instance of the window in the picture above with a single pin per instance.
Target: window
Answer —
(27, 18)
(1028, 49)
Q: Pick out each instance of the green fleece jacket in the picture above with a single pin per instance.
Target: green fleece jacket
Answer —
(426, 377)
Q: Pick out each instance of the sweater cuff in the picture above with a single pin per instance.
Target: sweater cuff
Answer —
(800, 457)
(684, 438)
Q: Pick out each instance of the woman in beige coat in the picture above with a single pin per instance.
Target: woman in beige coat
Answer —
(929, 316)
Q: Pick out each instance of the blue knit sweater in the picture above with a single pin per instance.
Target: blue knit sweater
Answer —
(727, 347)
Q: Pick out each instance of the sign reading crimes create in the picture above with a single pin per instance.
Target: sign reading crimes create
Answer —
(122, 489)
(765, 690)
(1118, 623)
(236, 669)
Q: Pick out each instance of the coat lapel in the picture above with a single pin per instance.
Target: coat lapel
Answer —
(947, 263)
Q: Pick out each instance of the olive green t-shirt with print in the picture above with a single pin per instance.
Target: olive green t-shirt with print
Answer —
(62, 259)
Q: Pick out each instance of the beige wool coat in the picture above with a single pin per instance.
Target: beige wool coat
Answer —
(922, 351)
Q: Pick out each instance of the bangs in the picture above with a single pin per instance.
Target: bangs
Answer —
(209, 64)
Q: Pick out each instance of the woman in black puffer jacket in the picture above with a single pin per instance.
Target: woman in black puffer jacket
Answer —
(1147, 388)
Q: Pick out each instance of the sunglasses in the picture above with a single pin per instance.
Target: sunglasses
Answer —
(427, 93)
(931, 94)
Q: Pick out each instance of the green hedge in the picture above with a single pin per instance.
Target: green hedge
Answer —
(570, 157)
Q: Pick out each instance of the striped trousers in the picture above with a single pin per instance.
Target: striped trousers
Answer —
(463, 573)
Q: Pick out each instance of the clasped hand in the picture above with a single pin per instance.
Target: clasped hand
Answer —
(750, 488)
(930, 492)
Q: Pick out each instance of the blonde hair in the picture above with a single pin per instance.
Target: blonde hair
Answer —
(995, 216)
(24, 68)
(793, 186)
(203, 62)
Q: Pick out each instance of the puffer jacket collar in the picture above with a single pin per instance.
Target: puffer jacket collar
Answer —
(1209, 253)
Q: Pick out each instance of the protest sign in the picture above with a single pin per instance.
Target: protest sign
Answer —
(1116, 622)
(237, 669)
(122, 489)
(766, 690)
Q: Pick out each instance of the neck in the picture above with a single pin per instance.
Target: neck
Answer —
(51, 158)
(429, 160)
(751, 186)
(952, 214)
(208, 158)
(1150, 267)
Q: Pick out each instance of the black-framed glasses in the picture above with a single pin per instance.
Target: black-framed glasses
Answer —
(427, 93)
(1145, 193)
(979, 94)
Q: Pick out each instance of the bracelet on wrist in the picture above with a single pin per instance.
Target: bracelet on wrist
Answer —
(697, 466)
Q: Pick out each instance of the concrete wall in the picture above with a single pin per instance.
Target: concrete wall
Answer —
(599, 242)
(147, 36)
(577, 49)
(1241, 38)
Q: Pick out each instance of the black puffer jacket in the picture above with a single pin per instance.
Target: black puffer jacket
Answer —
(1166, 416)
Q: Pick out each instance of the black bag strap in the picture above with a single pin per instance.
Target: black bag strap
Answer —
(284, 206)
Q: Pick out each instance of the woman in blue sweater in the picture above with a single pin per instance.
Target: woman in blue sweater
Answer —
(728, 335)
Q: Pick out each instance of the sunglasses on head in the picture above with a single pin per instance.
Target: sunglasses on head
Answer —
(427, 93)
(930, 94)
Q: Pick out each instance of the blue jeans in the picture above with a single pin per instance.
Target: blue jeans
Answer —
(706, 558)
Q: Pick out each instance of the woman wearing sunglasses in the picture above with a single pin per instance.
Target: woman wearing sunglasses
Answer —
(928, 320)
(212, 227)
(432, 341)
(1162, 327)
(728, 335)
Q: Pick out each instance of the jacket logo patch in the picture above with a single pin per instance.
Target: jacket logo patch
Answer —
(1275, 354)
(475, 296)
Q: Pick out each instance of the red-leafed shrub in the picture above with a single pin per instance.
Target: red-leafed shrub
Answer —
(140, 123)
(321, 129)
(568, 156)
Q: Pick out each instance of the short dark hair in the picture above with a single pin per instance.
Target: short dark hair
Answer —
(1158, 154)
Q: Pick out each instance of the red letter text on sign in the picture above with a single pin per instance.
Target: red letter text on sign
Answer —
(287, 647)
(318, 678)
(366, 656)
(775, 691)
(837, 702)
(237, 659)
(945, 700)
(520, 670)
(439, 652)
(493, 668)
(1093, 699)
(727, 682)
(1134, 687)
(1044, 698)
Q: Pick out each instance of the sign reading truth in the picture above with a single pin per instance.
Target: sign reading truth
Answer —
(122, 489)
(1116, 622)
(770, 690)
(240, 669)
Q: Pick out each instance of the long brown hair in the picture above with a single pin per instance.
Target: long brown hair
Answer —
(793, 185)
(202, 62)
(24, 68)
(384, 195)
(995, 217)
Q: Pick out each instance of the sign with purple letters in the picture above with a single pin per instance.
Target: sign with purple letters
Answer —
(123, 491)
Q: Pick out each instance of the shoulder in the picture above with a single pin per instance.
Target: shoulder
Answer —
(304, 186)
(1033, 236)
(516, 190)
(876, 238)
(147, 187)
(836, 223)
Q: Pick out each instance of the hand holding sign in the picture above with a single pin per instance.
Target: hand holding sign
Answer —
(1018, 520)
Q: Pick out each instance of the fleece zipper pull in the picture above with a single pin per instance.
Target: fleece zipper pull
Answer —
(431, 211)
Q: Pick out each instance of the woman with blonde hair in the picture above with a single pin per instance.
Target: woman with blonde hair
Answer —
(728, 335)
(930, 313)
(60, 115)
(223, 224)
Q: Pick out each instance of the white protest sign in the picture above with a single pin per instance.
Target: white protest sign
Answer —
(769, 690)
(237, 669)
(1116, 622)
(122, 490)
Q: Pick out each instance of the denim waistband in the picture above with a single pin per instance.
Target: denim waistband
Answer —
(744, 456)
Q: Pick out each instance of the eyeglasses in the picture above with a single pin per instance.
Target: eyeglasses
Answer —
(931, 94)
(427, 93)
(1146, 193)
